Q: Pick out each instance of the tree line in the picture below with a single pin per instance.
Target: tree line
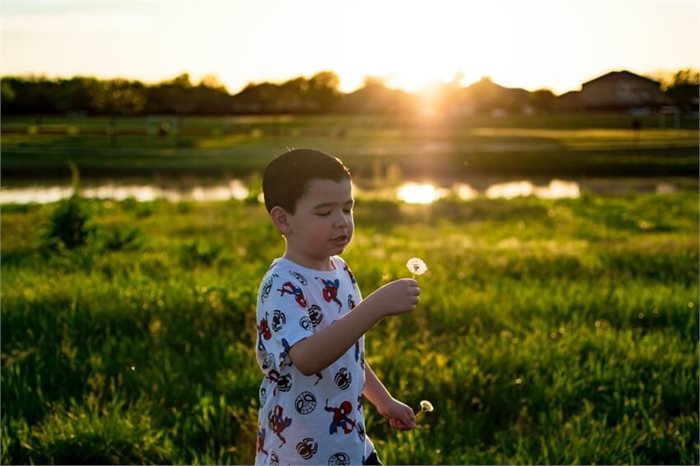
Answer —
(316, 95)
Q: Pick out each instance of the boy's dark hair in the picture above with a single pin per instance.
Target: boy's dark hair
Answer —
(287, 177)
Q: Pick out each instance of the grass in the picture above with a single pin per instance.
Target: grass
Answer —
(549, 331)
(552, 145)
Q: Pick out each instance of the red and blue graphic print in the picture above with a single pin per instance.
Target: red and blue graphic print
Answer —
(330, 291)
(278, 422)
(289, 288)
(341, 417)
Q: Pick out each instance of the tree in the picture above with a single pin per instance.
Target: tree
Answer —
(543, 100)
(683, 90)
(323, 91)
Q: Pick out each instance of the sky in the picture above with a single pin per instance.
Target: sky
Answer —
(554, 45)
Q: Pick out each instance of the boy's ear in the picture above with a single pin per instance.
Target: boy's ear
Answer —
(280, 218)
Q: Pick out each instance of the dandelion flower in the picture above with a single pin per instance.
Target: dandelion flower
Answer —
(425, 407)
(416, 266)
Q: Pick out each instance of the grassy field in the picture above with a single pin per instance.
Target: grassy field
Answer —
(549, 331)
(550, 145)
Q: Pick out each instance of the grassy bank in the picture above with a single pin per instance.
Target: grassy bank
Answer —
(549, 332)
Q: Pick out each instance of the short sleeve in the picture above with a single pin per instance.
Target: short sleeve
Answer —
(283, 320)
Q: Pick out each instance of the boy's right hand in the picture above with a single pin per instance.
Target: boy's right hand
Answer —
(397, 297)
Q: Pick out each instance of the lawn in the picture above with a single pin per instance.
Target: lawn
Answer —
(549, 331)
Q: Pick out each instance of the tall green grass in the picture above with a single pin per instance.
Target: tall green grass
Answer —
(548, 332)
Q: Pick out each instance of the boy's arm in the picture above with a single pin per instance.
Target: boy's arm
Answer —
(315, 353)
(400, 415)
(375, 391)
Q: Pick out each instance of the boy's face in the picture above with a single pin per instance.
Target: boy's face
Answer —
(322, 225)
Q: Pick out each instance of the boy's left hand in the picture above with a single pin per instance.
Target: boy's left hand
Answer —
(400, 416)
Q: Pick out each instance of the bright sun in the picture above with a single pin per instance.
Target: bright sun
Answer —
(412, 48)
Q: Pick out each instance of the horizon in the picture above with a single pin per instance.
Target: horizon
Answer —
(418, 92)
(409, 47)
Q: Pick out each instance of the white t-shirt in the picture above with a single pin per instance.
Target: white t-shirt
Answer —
(314, 419)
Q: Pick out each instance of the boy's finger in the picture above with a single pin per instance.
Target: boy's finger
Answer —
(407, 419)
(411, 414)
(398, 424)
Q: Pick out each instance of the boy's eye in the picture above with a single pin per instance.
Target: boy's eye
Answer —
(323, 214)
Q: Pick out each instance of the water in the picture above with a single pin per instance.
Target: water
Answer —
(412, 192)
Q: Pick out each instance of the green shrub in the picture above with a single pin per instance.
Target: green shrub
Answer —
(69, 224)
(86, 434)
(123, 238)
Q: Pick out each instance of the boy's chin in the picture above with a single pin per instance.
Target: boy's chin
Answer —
(338, 250)
(339, 247)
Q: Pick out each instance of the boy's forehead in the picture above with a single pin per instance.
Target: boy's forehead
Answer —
(328, 190)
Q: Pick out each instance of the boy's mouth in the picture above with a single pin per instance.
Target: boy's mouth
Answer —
(340, 239)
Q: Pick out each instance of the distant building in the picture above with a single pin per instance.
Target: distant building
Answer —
(620, 90)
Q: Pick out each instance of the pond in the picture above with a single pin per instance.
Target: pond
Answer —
(411, 191)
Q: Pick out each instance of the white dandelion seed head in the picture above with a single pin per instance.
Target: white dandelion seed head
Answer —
(426, 406)
(416, 266)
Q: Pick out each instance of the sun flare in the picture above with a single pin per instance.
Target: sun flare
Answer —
(416, 193)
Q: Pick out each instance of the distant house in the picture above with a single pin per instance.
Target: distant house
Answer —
(620, 90)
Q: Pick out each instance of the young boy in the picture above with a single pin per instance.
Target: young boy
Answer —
(311, 320)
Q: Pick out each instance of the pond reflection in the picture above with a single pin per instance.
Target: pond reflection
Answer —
(415, 193)
(427, 193)
(556, 189)
(234, 189)
(411, 192)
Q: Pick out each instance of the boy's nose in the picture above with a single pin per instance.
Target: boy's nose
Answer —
(340, 221)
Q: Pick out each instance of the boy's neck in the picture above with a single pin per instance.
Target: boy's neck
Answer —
(325, 264)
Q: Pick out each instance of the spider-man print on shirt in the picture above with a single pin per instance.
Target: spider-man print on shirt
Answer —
(299, 277)
(330, 291)
(278, 320)
(289, 288)
(284, 355)
(278, 422)
(282, 382)
(267, 287)
(315, 315)
(263, 332)
(352, 277)
(261, 442)
(340, 417)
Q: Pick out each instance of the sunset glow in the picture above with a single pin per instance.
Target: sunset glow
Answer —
(409, 45)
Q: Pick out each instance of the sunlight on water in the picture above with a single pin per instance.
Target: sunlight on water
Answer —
(426, 193)
(465, 192)
(410, 192)
(234, 189)
(556, 189)
(415, 193)
(30, 195)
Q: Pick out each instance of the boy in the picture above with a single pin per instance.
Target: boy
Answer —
(311, 320)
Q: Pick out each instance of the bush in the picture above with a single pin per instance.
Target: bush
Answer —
(113, 434)
(121, 239)
(69, 224)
